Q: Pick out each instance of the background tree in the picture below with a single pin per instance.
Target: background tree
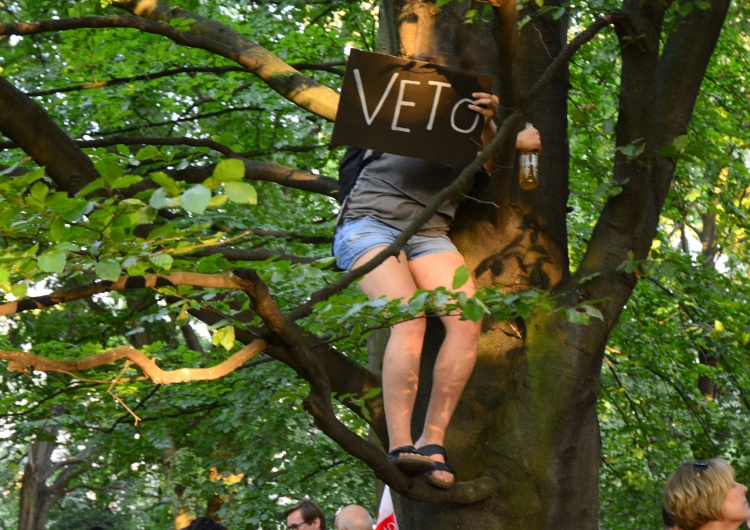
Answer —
(151, 125)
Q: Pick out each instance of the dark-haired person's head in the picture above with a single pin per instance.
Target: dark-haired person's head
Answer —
(703, 495)
(305, 515)
(204, 523)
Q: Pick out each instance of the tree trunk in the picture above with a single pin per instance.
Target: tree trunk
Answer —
(35, 502)
(45, 482)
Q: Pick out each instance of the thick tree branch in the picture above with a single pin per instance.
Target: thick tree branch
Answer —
(265, 171)
(217, 70)
(206, 35)
(347, 377)
(26, 124)
(250, 254)
(159, 140)
(58, 487)
(217, 281)
(656, 102)
(169, 123)
(277, 74)
(22, 361)
(113, 81)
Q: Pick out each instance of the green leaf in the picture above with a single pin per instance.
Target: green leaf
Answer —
(19, 290)
(241, 192)
(475, 310)
(224, 336)
(150, 152)
(558, 13)
(231, 169)
(680, 143)
(118, 235)
(39, 191)
(91, 187)
(58, 230)
(461, 276)
(108, 270)
(217, 201)
(196, 199)
(162, 261)
(126, 181)
(159, 199)
(577, 317)
(184, 316)
(592, 311)
(182, 23)
(30, 178)
(52, 261)
(167, 182)
(632, 150)
(71, 210)
(228, 340)
(109, 169)
(589, 277)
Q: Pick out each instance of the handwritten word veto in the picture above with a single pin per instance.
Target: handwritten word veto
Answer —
(401, 102)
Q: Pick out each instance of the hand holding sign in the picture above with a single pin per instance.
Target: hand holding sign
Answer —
(411, 108)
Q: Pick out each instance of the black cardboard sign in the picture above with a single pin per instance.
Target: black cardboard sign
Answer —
(410, 108)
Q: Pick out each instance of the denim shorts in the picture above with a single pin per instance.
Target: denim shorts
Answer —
(355, 237)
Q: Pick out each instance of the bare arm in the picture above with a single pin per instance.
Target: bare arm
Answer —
(486, 104)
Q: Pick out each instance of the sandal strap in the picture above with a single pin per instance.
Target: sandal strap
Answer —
(433, 449)
(403, 449)
(440, 466)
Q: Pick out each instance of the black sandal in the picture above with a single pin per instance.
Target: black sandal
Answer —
(411, 461)
(435, 449)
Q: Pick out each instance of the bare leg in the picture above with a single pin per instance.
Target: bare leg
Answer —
(457, 355)
(393, 279)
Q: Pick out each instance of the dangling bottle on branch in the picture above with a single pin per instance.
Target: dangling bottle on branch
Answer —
(528, 176)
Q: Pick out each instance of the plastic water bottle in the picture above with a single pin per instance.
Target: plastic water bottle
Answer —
(528, 175)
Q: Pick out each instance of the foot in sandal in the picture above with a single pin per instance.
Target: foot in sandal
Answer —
(443, 475)
(411, 461)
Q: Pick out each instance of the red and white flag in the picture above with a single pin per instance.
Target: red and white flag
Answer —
(386, 515)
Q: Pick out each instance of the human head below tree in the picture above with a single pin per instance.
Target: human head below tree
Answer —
(706, 496)
(204, 523)
(305, 515)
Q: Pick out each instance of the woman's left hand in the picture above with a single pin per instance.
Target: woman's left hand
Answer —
(485, 104)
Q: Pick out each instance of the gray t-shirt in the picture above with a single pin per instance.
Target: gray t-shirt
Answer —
(394, 189)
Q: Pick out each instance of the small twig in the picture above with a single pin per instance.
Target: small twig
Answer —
(117, 398)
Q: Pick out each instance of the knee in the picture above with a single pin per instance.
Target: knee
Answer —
(466, 330)
(410, 329)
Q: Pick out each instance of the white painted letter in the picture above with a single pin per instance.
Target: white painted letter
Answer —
(361, 91)
(453, 117)
(439, 85)
(401, 103)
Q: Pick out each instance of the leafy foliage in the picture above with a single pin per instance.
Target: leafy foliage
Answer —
(672, 385)
(672, 389)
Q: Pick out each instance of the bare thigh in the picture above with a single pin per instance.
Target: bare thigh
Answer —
(437, 270)
(392, 278)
